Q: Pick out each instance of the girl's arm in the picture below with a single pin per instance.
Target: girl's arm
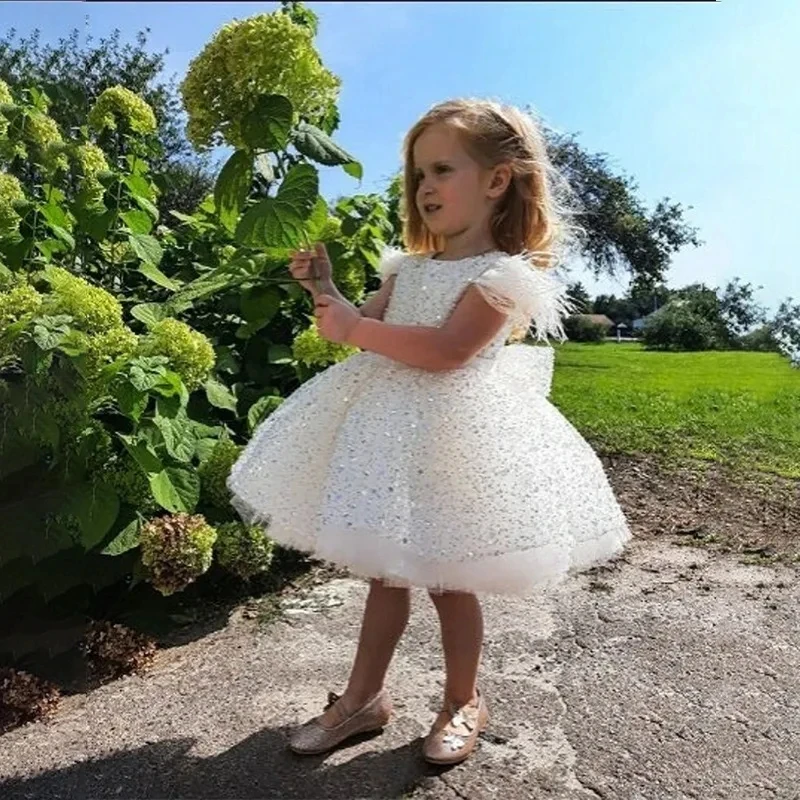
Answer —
(469, 328)
(374, 307)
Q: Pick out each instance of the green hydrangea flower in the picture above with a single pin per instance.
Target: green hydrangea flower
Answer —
(5, 99)
(5, 93)
(10, 190)
(93, 309)
(214, 471)
(176, 549)
(118, 104)
(20, 301)
(350, 279)
(42, 133)
(310, 348)
(331, 230)
(244, 550)
(190, 353)
(264, 54)
(89, 161)
(108, 346)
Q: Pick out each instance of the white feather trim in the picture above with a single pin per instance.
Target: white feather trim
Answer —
(531, 296)
(390, 261)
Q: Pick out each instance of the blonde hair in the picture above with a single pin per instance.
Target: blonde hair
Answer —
(532, 218)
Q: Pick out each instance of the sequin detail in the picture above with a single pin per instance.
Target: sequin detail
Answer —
(464, 479)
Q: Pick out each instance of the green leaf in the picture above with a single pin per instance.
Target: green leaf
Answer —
(179, 437)
(145, 373)
(354, 170)
(205, 447)
(219, 395)
(139, 186)
(176, 489)
(137, 221)
(267, 126)
(260, 304)
(280, 354)
(49, 332)
(63, 235)
(261, 409)
(147, 206)
(187, 218)
(146, 247)
(49, 247)
(157, 276)
(132, 402)
(150, 313)
(270, 223)
(300, 188)
(95, 507)
(73, 343)
(142, 453)
(318, 146)
(125, 540)
(171, 385)
(95, 225)
(233, 187)
(317, 219)
(169, 405)
(54, 215)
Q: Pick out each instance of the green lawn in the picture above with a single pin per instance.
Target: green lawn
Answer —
(738, 408)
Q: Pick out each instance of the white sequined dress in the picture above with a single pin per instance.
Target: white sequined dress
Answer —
(461, 479)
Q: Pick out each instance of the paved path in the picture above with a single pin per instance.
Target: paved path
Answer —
(670, 674)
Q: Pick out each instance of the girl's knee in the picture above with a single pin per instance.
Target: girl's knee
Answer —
(378, 584)
(443, 595)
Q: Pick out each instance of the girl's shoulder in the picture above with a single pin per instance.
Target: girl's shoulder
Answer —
(391, 261)
(529, 293)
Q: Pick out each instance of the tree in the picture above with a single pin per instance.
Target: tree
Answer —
(738, 308)
(618, 309)
(785, 328)
(647, 299)
(74, 73)
(618, 231)
(582, 302)
(184, 185)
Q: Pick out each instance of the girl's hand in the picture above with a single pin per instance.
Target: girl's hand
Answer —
(307, 266)
(336, 320)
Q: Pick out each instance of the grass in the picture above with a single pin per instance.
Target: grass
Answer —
(740, 409)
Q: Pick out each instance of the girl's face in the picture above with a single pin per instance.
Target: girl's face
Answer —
(454, 193)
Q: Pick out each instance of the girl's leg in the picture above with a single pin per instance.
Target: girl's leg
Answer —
(461, 622)
(385, 618)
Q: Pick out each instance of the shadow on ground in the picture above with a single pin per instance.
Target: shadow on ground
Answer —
(260, 766)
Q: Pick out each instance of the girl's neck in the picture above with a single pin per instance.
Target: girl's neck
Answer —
(470, 243)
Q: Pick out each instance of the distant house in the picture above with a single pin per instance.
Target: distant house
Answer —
(639, 323)
(597, 319)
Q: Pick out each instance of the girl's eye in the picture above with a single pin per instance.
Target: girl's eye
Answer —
(442, 168)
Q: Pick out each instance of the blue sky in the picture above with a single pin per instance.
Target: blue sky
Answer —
(697, 101)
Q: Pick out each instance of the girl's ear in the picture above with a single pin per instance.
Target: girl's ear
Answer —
(499, 181)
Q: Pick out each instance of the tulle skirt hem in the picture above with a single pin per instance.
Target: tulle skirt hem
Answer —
(369, 555)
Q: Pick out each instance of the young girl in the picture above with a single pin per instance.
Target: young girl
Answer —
(433, 458)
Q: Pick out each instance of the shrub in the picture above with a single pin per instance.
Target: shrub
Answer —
(677, 327)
